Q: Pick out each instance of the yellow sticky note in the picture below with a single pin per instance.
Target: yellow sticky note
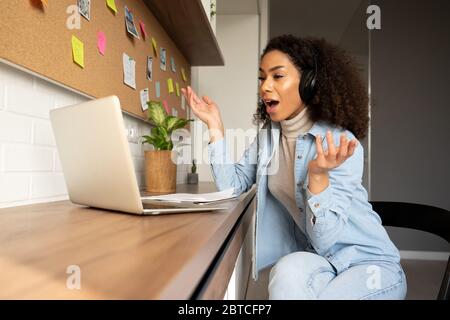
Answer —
(183, 75)
(155, 47)
(78, 51)
(170, 85)
(178, 88)
(112, 5)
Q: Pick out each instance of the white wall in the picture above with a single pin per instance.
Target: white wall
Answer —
(233, 87)
(30, 171)
(263, 8)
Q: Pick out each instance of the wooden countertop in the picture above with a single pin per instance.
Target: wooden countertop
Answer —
(120, 256)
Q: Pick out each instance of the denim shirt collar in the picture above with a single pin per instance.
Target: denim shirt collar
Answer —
(319, 127)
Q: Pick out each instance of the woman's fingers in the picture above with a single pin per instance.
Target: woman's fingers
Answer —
(189, 91)
(352, 147)
(319, 146)
(331, 147)
(191, 95)
(197, 99)
(190, 100)
(342, 152)
(343, 148)
(333, 156)
(194, 95)
(207, 99)
(197, 105)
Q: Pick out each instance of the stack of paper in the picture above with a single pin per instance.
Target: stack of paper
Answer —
(194, 197)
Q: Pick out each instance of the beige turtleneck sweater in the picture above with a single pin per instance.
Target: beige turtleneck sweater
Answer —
(282, 184)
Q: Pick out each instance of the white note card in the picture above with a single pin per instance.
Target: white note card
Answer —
(144, 99)
(129, 71)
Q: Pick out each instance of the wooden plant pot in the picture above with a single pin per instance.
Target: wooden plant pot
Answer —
(160, 171)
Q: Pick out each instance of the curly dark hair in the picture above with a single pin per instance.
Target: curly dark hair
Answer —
(340, 97)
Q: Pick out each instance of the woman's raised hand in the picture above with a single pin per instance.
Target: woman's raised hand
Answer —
(205, 109)
(334, 156)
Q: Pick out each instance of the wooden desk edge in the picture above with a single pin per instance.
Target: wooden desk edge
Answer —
(217, 278)
(229, 231)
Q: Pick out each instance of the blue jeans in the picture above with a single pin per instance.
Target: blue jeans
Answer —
(304, 275)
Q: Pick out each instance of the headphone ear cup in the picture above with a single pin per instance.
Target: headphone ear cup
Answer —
(305, 86)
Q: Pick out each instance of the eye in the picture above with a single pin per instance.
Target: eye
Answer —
(278, 76)
(260, 78)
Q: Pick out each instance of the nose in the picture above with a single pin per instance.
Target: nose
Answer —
(266, 85)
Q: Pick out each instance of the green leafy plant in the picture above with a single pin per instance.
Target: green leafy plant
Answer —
(194, 167)
(164, 125)
(213, 10)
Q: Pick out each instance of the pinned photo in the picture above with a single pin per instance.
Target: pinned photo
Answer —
(149, 68)
(84, 8)
(129, 71)
(172, 63)
(162, 58)
(144, 99)
(129, 21)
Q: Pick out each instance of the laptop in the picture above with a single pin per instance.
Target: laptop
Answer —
(96, 160)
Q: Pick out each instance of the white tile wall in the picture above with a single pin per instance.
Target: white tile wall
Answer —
(15, 128)
(27, 158)
(28, 101)
(45, 185)
(43, 134)
(14, 187)
(30, 170)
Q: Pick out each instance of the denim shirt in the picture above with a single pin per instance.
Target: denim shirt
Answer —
(339, 222)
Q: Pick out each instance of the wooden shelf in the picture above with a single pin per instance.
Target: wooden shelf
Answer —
(187, 24)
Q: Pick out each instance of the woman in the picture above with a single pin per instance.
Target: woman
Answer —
(313, 217)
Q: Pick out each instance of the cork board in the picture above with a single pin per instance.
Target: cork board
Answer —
(38, 39)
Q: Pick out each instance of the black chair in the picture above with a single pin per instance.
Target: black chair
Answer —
(420, 217)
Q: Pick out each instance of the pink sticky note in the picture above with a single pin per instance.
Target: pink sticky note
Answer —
(101, 42)
(166, 106)
(142, 25)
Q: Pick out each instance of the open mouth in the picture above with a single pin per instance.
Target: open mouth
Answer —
(271, 105)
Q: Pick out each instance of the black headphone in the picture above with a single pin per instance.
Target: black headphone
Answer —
(307, 86)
